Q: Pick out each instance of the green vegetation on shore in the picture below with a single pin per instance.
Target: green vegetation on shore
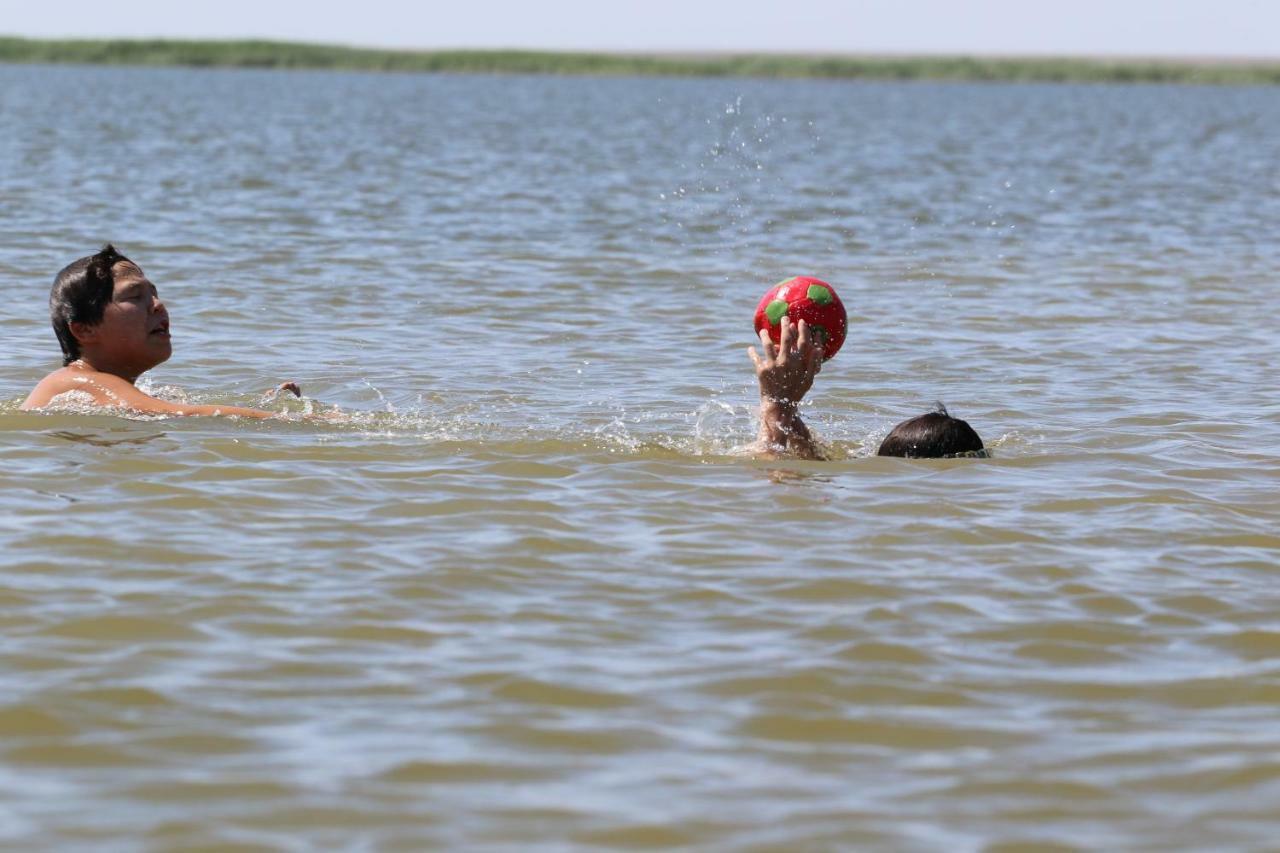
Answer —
(268, 54)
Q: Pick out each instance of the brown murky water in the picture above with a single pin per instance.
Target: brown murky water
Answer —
(529, 598)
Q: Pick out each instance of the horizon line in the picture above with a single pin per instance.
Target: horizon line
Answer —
(691, 53)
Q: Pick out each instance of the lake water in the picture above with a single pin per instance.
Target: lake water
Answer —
(528, 597)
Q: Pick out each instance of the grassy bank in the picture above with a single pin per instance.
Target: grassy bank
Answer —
(266, 54)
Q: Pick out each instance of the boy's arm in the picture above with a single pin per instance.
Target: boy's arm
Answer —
(781, 429)
(109, 390)
(785, 375)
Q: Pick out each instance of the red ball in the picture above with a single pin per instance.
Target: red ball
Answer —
(808, 299)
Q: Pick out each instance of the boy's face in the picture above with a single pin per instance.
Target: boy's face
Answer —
(135, 325)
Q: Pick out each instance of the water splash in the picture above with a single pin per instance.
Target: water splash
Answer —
(732, 199)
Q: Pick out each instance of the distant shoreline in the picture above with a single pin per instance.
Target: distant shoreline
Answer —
(274, 54)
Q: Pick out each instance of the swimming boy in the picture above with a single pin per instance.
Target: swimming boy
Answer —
(932, 435)
(113, 328)
(786, 374)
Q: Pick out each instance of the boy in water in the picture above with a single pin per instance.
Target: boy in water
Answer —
(932, 435)
(786, 374)
(113, 328)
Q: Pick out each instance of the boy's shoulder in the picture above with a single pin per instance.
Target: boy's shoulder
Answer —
(104, 388)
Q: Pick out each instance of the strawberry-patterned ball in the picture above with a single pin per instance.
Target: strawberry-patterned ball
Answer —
(808, 299)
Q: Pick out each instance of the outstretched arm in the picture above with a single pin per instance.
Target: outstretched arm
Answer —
(110, 390)
(785, 375)
(122, 393)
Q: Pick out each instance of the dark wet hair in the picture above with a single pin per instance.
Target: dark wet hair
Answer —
(80, 294)
(932, 436)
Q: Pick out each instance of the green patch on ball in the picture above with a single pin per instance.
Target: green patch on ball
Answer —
(819, 294)
(776, 310)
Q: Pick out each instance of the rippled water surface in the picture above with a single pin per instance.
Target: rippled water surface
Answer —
(528, 596)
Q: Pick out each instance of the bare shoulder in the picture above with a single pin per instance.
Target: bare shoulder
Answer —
(104, 388)
(59, 382)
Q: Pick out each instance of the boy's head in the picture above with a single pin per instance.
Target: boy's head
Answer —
(81, 292)
(932, 436)
(105, 302)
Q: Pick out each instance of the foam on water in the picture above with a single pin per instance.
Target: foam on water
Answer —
(714, 430)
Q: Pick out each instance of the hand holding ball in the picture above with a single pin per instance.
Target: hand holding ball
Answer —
(808, 299)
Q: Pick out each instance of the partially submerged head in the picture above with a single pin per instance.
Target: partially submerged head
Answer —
(103, 306)
(932, 436)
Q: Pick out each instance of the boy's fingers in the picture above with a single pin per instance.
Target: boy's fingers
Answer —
(802, 339)
(755, 359)
(784, 340)
(766, 343)
(813, 355)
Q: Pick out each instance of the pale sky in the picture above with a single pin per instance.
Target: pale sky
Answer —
(1214, 28)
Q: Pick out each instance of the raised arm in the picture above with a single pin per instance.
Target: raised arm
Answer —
(786, 374)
